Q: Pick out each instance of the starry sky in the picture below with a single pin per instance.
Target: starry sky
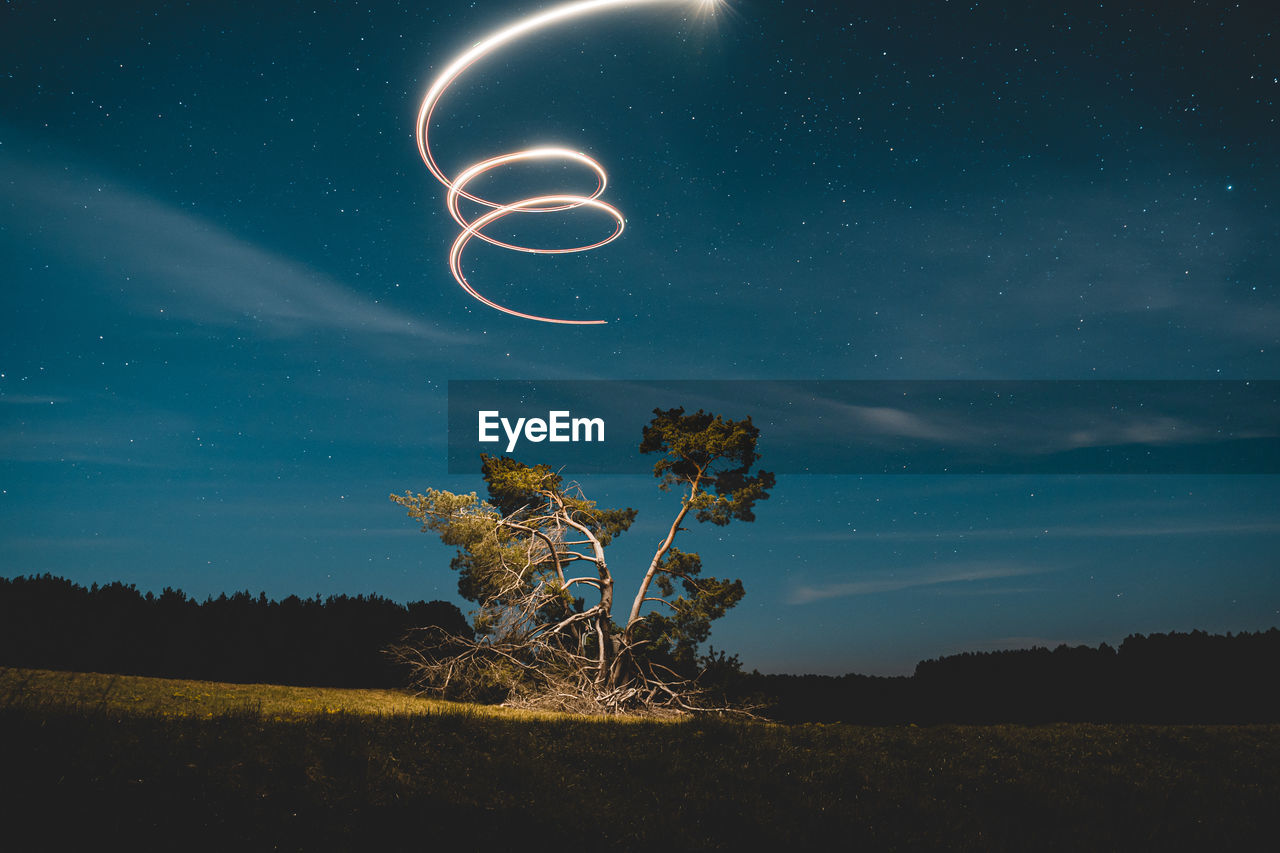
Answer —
(229, 323)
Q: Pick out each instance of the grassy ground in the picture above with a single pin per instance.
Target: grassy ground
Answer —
(165, 764)
(173, 697)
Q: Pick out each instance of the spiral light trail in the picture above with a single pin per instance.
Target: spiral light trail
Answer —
(538, 204)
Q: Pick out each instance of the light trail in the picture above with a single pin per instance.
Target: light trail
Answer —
(538, 204)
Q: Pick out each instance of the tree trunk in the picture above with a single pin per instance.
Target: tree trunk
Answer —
(657, 558)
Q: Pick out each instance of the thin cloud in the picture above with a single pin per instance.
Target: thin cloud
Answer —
(807, 594)
(1054, 424)
(172, 261)
(892, 421)
(885, 420)
(1055, 531)
(1153, 430)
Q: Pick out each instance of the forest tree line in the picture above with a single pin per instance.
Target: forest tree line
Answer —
(48, 622)
(1192, 677)
(52, 623)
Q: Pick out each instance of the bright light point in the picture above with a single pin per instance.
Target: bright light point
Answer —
(1230, 187)
(706, 9)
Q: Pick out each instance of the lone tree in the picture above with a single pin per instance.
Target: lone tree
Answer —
(521, 556)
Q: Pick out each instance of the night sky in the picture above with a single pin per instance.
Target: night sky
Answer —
(229, 323)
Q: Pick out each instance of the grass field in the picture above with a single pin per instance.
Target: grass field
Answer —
(173, 697)
(167, 764)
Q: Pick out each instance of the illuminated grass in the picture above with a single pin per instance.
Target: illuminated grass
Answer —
(172, 697)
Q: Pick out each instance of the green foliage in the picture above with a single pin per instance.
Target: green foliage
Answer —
(515, 487)
(471, 525)
(672, 638)
(522, 491)
(713, 457)
(492, 536)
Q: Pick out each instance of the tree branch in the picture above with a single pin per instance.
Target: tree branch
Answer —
(685, 505)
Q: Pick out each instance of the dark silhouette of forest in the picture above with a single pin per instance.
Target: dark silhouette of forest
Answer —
(51, 623)
(1161, 678)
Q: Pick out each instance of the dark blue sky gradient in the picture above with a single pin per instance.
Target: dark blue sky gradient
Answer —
(228, 323)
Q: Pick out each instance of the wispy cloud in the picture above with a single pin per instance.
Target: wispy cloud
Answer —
(971, 425)
(909, 579)
(1146, 430)
(886, 420)
(1156, 530)
(172, 261)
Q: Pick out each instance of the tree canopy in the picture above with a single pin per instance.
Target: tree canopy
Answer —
(532, 555)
